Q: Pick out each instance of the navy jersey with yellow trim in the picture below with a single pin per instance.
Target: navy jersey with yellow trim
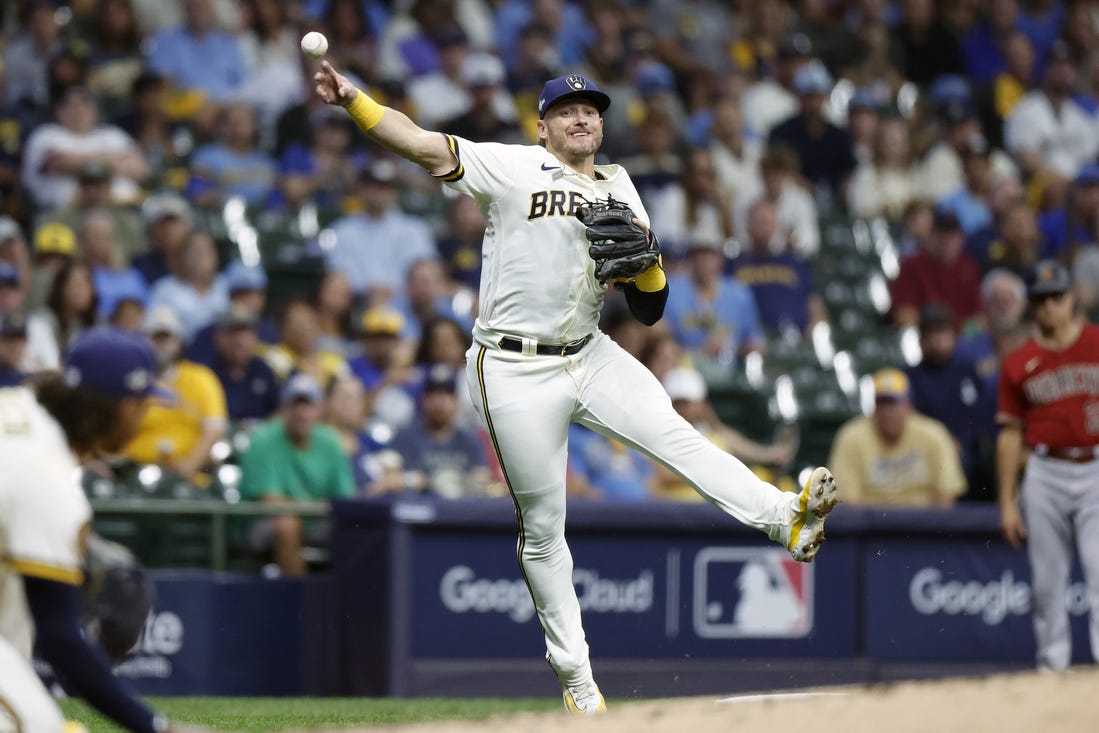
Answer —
(537, 279)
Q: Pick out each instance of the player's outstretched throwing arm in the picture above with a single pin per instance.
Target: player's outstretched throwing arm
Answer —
(388, 127)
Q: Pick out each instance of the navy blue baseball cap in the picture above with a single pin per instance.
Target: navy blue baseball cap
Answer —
(1048, 277)
(571, 85)
(113, 363)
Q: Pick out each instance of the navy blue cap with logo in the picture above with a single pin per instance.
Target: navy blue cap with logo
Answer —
(112, 363)
(1048, 277)
(568, 86)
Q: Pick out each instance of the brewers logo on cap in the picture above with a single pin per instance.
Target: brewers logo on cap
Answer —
(577, 82)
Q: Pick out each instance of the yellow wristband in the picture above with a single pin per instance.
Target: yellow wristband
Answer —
(365, 111)
(651, 280)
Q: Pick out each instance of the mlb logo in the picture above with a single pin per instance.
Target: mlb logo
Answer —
(751, 593)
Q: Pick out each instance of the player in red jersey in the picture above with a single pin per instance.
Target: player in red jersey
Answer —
(1049, 408)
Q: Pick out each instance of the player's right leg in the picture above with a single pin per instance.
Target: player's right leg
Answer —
(525, 403)
(25, 704)
(621, 398)
(1046, 508)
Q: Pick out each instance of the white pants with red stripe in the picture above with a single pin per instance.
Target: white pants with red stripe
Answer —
(527, 403)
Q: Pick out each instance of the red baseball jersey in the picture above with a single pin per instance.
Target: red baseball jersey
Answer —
(1054, 393)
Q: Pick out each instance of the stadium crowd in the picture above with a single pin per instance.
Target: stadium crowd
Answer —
(166, 168)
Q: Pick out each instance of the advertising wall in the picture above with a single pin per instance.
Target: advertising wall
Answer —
(420, 589)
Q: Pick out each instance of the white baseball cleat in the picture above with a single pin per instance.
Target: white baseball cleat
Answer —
(585, 699)
(814, 503)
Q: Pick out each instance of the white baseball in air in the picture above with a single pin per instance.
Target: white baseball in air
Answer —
(314, 44)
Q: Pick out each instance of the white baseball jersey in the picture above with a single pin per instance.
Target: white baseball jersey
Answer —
(44, 516)
(538, 279)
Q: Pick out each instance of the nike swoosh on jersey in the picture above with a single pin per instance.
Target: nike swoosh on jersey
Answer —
(551, 167)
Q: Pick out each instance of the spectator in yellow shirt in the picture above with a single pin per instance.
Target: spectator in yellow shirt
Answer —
(896, 456)
(179, 432)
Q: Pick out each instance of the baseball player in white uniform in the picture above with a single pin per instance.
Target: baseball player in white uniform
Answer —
(97, 403)
(539, 362)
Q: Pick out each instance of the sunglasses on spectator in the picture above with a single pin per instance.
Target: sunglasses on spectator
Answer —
(1043, 297)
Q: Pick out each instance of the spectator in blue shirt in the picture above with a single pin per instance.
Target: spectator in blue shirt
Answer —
(780, 279)
(198, 55)
(449, 461)
(196, 293)
(379, 331)
(251, 388)
(1067, 228)
(713, 316)
(825, 151)
(13, 345)
(426, 296)
(374, 248)
(235, 166)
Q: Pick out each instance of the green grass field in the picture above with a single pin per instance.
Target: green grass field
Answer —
(284, 713)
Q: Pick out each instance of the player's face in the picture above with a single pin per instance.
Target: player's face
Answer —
(1053, 310)
(573, 131)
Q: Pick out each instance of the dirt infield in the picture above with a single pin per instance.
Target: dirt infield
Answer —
(1021, 702)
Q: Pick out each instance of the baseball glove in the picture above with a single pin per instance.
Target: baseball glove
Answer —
(118, 595)
(622, 250)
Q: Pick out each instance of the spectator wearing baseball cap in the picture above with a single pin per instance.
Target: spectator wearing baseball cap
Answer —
(939, 272)
(440, 456)
(168, 219)
(294, 457)
(179, 433)
(825, 152)
(13, 345)
(379, 332)
(247, 287)
(896, 456)
(251, 388)
(54, 246)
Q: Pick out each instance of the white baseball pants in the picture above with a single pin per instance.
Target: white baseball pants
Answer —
(25, 704)
(1061, 502)
(527, 403)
